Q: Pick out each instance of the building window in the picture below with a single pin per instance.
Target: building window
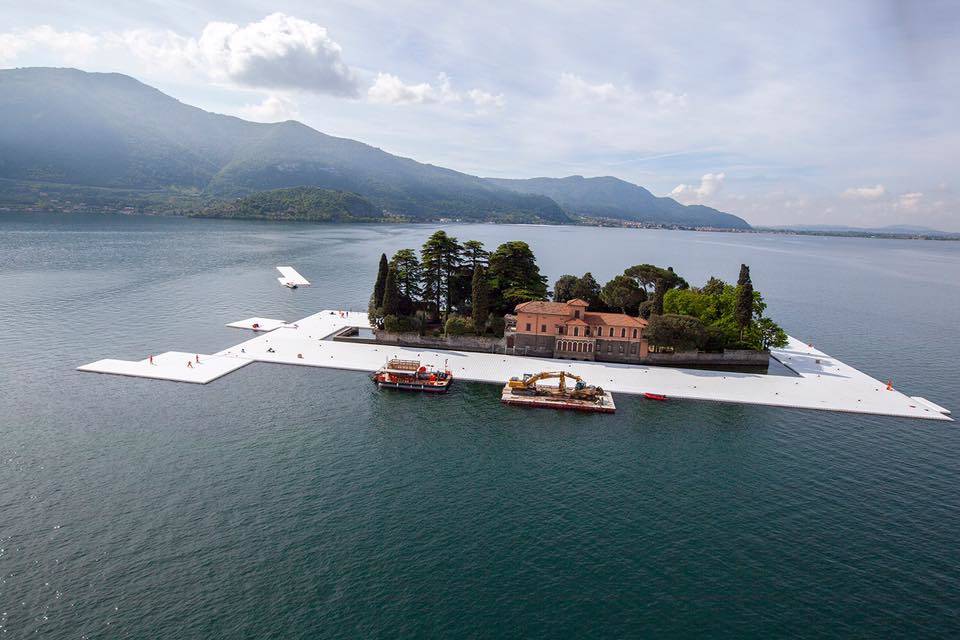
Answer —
(634, 333)
(543, 328)
(621, 347)
(560, 330)
(623, 333)
(590, 348)
(609, 347)
(586, 331)
(611, 332)
(576, 331)
(528, 326)
(576, 313)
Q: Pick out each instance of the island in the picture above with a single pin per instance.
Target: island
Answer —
(459, 296)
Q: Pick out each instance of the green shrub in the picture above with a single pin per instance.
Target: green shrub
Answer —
(458, 326)
(401, 324)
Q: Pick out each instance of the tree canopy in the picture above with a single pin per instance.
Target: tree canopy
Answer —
(656, 281)
(480, 303)
(623, 294)
(515, 276)
(716, 306)
(563, 288)
(680, 332)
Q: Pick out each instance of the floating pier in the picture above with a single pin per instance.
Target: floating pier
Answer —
(291, 277)
(822, 382)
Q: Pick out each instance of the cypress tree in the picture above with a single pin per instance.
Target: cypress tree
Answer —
(380, 286)
(391, 294)
(480, 299)
(744, 309)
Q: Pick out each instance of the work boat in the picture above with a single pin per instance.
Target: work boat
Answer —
(412, 376)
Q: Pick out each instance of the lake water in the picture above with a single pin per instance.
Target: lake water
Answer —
(289, 502)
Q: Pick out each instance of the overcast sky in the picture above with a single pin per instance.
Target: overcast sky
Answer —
(784, 113)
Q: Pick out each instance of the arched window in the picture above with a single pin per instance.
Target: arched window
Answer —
(611, 332)
(634, 333)
(576, 331)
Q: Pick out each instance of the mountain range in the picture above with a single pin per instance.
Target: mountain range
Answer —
(72, 137)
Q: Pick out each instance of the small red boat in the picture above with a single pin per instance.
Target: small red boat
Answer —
(655, 396)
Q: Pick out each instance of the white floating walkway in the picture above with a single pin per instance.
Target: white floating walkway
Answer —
(171, 365)
(823, 382)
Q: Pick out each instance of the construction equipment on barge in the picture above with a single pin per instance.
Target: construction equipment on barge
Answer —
(410, 375)
(525, 391)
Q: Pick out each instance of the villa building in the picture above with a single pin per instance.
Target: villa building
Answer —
(569, 330)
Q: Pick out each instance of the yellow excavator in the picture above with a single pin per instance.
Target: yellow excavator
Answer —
(527, 386)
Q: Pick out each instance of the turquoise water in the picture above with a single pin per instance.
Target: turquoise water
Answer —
(288, 502)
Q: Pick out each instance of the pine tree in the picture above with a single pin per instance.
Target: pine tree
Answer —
(744, 309)
(391, 294)
(378, 288)
(440, 259)
(480, 299)
(474, 254)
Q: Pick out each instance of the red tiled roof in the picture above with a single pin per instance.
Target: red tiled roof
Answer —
(613, 320)
(576, 321)
(545, 307)
(578, 302)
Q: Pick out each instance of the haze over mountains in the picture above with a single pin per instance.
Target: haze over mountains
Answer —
(93, 136)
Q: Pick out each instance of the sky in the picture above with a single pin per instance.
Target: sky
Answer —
(842, 113)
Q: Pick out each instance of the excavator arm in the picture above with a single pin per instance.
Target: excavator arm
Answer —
(530, 382)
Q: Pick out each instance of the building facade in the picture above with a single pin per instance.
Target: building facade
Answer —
(570, 330)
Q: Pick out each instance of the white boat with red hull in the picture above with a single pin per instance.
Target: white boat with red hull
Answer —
(410, 375)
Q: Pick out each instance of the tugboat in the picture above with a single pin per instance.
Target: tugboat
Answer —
(411, 376)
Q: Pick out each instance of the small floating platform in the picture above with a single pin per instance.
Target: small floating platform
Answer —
(291, 278)
(257, 324)
(604, 405)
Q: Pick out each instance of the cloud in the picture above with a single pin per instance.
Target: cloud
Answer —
(278, 52)
(865, 193)
(575, 87)
(484, 99)
(273, 108)
(909, 201)
(710, 185)
(72, 46)
(390, 89)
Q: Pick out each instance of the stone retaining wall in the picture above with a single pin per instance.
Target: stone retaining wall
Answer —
(730, 357)
(482, 344)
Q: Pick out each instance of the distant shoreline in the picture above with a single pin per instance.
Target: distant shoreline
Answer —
(583, 222)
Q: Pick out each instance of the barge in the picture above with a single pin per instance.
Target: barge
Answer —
(526, 392)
